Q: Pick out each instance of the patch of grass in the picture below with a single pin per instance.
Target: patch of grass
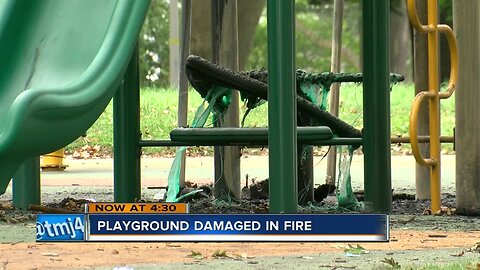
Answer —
(159, 116)
(401, 97)
(465, 265)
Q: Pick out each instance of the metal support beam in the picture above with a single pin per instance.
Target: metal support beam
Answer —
(282, 109)
(126, 135)
(196, 142)
(376, 106)
(26, 184)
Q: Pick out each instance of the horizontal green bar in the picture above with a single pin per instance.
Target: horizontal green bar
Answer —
(244, 135)
(165, 143)
(170, 143)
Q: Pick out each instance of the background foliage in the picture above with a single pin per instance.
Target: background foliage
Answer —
(313, 38)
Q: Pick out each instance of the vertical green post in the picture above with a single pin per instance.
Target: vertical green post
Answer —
(376, 106)
(282, 106)
(126, 135)
(26, 184)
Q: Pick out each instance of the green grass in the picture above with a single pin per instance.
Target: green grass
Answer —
(159, 110)
(452, 266)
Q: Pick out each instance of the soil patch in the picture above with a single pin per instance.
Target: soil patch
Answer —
(75, 255)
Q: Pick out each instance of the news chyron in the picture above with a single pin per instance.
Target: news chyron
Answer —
(169, 222)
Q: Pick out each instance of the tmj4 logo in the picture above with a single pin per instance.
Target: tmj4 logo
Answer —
(67, 228)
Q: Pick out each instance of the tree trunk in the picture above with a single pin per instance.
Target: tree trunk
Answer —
(335, 88)
(174, 42)
(249, 12)
(225, 52)
(182, 112)
(400, 39)
(422, 173)
(201, 35)
(467, 28)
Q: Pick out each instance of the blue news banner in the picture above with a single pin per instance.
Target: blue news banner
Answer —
(216, 228)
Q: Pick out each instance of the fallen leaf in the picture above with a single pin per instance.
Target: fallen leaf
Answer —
(122, 268)
(49, 254)
(10, 220)
(437, 235)
(475, 248)
(195, 255)
(406, 221)
(219, 254)
(391, 261)
(306, 257)
(356, 250)
(236, 256)
(458, 254)
(428, 240)
(6, 206)
(427, 212)
(348, 254)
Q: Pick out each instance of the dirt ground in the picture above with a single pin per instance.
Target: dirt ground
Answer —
(415, 239)
(421, 246)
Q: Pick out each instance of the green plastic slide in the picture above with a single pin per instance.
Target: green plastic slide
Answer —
(61, 62)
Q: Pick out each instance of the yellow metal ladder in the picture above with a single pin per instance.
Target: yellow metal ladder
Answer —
(433, 94)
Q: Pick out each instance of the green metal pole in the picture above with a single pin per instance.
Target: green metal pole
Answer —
(126, 135)
(282, 106)
(26, 184)
(376, 106)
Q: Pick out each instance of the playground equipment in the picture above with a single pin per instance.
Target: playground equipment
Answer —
(216, 84)
(433, 95)
(53, 161)
(282, 109)
(64, 95)
(60, 68)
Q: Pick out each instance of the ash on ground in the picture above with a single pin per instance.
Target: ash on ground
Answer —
(404, 203)
(254, 199)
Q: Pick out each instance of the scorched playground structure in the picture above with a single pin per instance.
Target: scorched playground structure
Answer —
(63, 61)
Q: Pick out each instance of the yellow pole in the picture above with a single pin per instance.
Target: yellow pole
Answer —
(433, 94)
(434, 107)
(53, 161)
